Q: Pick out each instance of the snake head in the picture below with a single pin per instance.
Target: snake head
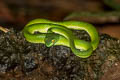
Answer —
(51, 39)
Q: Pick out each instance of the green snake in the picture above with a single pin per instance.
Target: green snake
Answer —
(59, 33)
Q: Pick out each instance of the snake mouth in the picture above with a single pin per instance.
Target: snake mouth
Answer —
(48, 45)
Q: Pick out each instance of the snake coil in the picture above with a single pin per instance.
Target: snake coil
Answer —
(60, 31)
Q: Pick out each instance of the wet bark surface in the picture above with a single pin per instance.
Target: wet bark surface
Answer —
(21, 60)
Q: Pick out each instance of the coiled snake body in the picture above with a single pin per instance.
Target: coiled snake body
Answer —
(59, 33)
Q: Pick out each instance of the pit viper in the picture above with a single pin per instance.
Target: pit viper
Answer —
(60, 33)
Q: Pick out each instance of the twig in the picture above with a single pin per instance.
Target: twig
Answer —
(4, 29)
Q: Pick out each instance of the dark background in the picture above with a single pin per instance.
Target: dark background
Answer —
(16, 13)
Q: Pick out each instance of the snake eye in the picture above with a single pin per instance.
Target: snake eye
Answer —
(53, 41)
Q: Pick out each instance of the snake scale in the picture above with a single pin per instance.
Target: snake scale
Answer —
(59, 33)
